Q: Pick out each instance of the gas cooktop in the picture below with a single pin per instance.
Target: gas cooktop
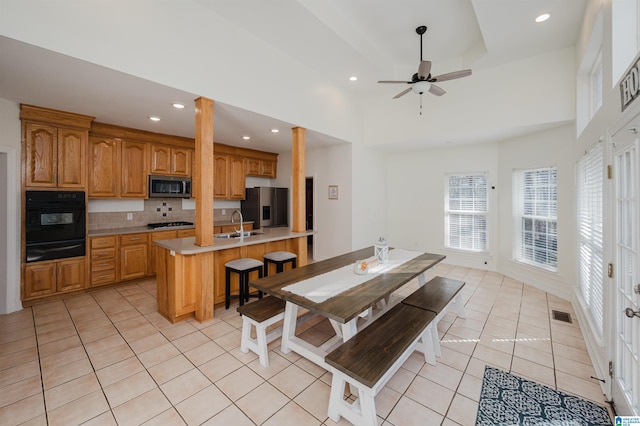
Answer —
(168, 224)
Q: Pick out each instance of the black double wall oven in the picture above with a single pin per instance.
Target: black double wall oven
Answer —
(55, 225)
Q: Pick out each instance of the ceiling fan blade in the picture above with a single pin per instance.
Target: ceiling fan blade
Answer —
(452, 75)
(404, 92)
(436, 90)
(394, 81)
(424, 69)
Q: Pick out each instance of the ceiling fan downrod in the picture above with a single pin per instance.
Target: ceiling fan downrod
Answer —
(421, 30)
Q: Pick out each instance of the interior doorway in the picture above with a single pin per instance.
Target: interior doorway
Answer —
(308, 195)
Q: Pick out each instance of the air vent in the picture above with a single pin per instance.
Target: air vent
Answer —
(561, 316)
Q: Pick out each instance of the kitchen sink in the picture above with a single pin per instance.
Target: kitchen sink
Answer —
(237, 234)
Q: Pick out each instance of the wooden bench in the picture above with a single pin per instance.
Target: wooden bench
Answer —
(369, 359)
(261, 314)
(437, 296)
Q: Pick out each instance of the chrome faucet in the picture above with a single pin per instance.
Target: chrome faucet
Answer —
(241, 220)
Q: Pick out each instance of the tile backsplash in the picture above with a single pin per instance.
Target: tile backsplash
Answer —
(155, 210)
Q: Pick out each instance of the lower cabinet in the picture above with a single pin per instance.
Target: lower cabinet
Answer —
(156, 236)
(55, 276)
(133, 256)
(103, 260)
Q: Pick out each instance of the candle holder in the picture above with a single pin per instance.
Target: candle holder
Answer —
(381, 251)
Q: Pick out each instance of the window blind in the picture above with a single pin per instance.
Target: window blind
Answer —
(590, 245)
(466, 207)
(535, 214)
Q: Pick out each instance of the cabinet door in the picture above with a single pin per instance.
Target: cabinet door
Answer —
(160, 160)
(71, 275)
(40, 279)
(155, 236)
(134, 169)
(103, 167)
(71, 158)
(236, 178)
(220, 176)
(180, 162)
(268, 169)
(133, 261)
(253, 167)
(41, 155)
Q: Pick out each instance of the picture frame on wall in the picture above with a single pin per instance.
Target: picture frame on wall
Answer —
(333, 192)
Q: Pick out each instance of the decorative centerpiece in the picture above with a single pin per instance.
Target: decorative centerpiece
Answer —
(381, 251)
(362, 267)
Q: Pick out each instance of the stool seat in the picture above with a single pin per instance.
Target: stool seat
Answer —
(243, 264)
(279, 258)
(242, 267)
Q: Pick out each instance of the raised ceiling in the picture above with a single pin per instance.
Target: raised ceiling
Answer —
(370, 39)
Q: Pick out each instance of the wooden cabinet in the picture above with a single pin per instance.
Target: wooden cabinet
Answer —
(225, 229)
(229, 177)
(56, 276)
(171, 161)
(261, 168)
(55, 157)
(156, 236)
(118, 168)
(103, 257)
(133, 256)
(183, 233)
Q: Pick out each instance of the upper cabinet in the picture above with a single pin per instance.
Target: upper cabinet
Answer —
(171, 161)
(261, 167)
(229, 177)
(118, 168)
(54, 148)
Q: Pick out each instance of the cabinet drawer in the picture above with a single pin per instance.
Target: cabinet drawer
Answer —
(103, 277)
(103, 242)
(107, 253)
(126, 240)
(186, 233)
(101, 265)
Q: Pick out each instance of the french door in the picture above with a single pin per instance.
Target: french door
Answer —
(625, 297)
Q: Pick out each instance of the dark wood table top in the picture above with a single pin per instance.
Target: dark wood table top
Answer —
(350, 303)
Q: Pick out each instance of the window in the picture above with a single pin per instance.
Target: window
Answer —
(589, 218)
(466, 206)
(535, 213)
(595, 85)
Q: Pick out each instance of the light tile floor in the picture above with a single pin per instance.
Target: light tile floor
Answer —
(107, 357)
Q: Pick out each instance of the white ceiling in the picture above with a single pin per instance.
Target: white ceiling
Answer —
(373, 39)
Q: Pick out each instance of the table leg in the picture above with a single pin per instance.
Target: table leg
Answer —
(422, 279)
(288, 326)
(349, 329)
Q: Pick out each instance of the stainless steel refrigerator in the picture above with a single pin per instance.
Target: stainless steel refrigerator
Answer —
(266, 207)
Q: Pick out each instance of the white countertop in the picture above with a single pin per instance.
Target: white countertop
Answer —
(187, 245)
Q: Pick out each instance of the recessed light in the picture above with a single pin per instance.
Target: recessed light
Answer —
(177, 105)
(543, 17)
(274, 130)
(353, 78)
(246, 138)
(153, 118)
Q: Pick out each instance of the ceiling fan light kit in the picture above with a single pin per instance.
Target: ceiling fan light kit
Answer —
(422, 81)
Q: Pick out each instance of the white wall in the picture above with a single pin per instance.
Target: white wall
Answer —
(10, 207)
(415, 199)
(545, 149)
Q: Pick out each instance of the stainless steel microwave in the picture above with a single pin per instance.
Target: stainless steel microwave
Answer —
(169, 186)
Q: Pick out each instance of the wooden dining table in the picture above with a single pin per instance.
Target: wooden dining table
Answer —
(343, 309)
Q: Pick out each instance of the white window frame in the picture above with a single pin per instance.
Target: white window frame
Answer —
(535, 240)
(589, 185)
(474, 211)
(595, 85)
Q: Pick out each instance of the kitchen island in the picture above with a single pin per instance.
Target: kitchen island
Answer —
(191, 278)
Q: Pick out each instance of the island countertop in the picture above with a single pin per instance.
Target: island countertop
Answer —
(187, 246)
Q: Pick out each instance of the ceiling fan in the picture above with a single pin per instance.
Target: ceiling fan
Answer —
(422, 81)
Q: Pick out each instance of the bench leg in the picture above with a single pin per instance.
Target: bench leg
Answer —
(426, 344)
(246, 335)
(289, 326)
(261, 337)
(361, 412)
(435, 339)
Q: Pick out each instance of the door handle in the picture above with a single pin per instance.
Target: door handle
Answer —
(630, 313)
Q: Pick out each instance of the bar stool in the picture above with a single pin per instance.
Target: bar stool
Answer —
(279, 258)
(242, 267)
